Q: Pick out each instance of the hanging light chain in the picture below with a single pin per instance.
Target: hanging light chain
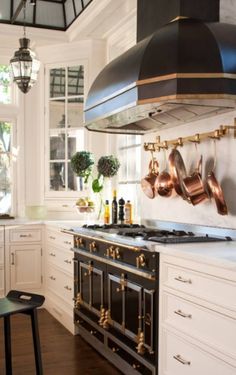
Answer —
(24, 10)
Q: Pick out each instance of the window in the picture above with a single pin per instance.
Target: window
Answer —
(7, 129)
(5, 85)
(66, 133)
(5, 167)
(129, 155)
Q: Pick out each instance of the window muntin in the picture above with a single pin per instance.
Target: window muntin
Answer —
(66, 133)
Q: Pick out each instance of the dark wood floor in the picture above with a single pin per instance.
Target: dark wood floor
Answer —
(63, 353)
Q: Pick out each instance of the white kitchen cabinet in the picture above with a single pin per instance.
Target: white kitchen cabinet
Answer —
(59, 276)
(24, 250)
(197, 318)
(26, 270)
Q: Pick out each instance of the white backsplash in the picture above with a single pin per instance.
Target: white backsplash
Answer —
(175, 208)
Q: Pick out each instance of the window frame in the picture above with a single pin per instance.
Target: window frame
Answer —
(67, 194)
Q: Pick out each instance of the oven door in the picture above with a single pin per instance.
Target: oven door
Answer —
(124, 304)
(90, 285)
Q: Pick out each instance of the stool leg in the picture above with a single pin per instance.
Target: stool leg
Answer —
(37, 350)
(7, 338)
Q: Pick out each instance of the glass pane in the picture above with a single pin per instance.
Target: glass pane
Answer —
(57, 82)
(5, 167)
(75, 112)
(57, 114)
(57, 176)
(76, 80)
(50, 13)
(70, 14)
(5, 87)
(75, 141)
(74, 183)
(57, 147)
(78, 6)
(5, 13)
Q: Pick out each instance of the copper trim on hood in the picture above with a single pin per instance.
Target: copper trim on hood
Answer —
(185, 75)
(186, 96)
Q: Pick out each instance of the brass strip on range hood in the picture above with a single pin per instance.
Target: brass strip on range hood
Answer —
(183, 72)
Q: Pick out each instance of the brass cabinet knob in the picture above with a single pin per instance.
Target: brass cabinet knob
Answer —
(140, 261)
(92, 247)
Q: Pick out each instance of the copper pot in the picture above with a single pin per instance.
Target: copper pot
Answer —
(194, 186)
(164, 184)
(216, 192)
(148, 182)
(177, 172)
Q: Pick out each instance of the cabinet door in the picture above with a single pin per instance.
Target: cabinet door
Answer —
(25, 266)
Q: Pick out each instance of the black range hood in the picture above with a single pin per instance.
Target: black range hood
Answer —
(184, 71)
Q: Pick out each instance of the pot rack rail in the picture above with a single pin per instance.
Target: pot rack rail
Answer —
(216, 134)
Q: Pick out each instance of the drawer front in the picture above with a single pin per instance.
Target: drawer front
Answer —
(60, 284)
(182, 358)
(1, 281)
(25, 235)
(58, 238)
(200, 323)
(209, 288)
(60, 258)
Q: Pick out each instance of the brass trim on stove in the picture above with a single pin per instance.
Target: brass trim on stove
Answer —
(144, 274)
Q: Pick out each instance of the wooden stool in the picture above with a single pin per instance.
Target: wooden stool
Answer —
(25, 303)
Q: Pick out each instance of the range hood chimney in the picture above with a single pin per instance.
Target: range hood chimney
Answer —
(182, 69)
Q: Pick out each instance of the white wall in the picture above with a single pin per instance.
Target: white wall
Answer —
(175, 208)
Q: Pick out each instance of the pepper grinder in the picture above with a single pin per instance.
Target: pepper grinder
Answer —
(121, 214)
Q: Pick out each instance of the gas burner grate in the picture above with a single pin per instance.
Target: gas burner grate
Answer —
(188, 239)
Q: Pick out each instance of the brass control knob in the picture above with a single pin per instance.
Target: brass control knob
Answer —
(140, 261)
(79, 241)
(92, 247)
(109, 252)
(116, 253)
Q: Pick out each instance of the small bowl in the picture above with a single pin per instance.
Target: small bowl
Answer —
(87, 209)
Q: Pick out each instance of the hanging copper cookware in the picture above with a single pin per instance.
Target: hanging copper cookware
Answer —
(148, 182)
(194, 186)
(215, 190)
(177, 172)
(164, 184)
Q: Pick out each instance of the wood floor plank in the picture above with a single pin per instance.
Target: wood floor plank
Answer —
(62, 353)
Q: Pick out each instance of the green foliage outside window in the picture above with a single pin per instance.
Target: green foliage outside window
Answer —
(5, 81)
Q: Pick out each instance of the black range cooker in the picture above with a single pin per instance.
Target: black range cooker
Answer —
(116, 291)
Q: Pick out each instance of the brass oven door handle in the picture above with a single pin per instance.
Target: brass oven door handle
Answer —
(184, 315)
(183, 280)
(178, 358)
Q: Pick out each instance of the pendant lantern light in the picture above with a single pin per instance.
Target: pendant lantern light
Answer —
(24, 64)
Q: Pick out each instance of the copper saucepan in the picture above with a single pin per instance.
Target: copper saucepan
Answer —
(148, 182)
(177, 172)
(164, 184)
(215, 190)
(194, 186)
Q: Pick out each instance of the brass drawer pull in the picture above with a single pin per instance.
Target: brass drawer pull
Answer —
(52, 254)
(184, 315)
(67, 261)
(52, 238)
(182, 280)
(181, 360)
(52, 278)
(67, 287)
(25, 235)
